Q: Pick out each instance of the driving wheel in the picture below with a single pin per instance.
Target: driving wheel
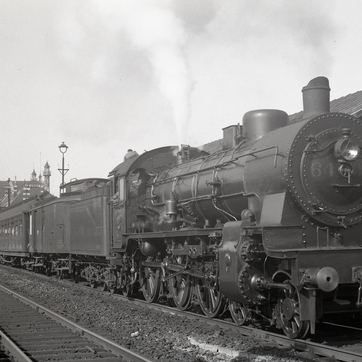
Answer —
(211, 300)
(180, 289)
(151, 284)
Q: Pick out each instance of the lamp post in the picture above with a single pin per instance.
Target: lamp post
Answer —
(9, 191)
(63, 148)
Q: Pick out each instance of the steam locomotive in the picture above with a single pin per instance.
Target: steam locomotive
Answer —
(269, 227)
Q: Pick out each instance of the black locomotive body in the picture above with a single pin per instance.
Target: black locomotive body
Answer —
(268, 227)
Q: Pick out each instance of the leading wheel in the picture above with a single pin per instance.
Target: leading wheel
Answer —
(210, 298)
(288, 313)
(151, 284)
(239, 313)
(180, 289)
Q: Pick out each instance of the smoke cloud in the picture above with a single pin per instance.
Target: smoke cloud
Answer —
(155, 31)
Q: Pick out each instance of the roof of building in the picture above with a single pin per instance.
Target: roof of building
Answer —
(350, 104)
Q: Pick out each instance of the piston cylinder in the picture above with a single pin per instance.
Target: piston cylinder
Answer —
(327, 278)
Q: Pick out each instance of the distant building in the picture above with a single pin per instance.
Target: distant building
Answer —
(13, 191)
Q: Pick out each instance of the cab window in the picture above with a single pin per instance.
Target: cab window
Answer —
(121, 189)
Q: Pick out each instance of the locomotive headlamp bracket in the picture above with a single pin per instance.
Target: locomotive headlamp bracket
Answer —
(345, 170)
(345, 147)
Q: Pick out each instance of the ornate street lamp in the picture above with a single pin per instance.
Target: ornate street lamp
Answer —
(63, 148)
(9, 191)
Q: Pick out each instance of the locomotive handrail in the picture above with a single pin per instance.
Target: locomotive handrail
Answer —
(315, 150)
(195, 181)
(159, 182)
(346, 186)
(276, 154)
(209, 197)
(225, 213)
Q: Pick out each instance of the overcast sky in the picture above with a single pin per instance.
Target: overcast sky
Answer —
(104, 76)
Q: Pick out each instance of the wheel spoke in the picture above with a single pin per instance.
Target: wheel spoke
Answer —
(214, 298)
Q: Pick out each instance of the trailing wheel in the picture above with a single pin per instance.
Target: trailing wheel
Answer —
(60, 274)
(110, 279)
(125, 285)
(210, 298)
(48, 270)
(151, 284)
(288, 313)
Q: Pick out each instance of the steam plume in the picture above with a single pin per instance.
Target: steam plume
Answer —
(153, 28)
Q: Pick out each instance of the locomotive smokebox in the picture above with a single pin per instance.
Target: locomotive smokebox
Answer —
(258, 123)
(316, 97)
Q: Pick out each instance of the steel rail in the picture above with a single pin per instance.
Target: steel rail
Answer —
(267, 336)
(248, 331)
(12, 349)
(86, 333)
(263, 335)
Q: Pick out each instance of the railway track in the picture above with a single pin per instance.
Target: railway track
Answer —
(318, 350)
(42, 335)
(9, 351)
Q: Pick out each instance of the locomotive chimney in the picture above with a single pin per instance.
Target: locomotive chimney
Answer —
(184, 154)
(316, 97)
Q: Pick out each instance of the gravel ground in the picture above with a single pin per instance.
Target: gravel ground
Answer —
(159, 336)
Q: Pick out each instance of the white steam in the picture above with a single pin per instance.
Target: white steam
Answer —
(153, 28)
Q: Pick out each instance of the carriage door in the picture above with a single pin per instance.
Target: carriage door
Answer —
(118, 205)
(24, 229)
(35, 237)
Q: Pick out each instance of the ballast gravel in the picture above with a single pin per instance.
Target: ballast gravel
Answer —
(159, 336)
